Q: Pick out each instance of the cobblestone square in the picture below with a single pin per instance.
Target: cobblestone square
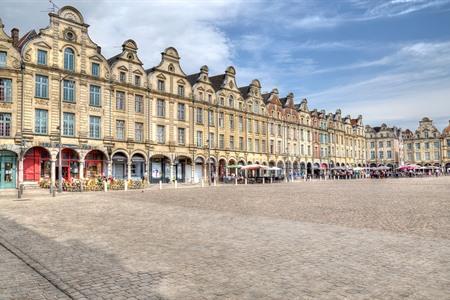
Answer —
(352, 239)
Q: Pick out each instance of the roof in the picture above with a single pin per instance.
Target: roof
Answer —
(114, 58)
(192, 78)
(244, 90)
(27, 36)
(283, 101)
(354, 122)
(446, 130)
(216, 81)
(266, 97)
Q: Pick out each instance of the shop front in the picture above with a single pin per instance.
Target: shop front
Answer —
(70, 164)
(8, 169)
(160, 169)
(95, 164)
(120, 166)
(36, 164)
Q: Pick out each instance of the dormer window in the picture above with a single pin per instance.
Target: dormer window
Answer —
(181, 90)
(209, 98)
(69, 59)
(137, 80)
(231, 101)
(171, 68)
(161, 85)
(69, 35)
(95, 69)
(200, 96)
(122, 77)
(222, 101)
(41, 57)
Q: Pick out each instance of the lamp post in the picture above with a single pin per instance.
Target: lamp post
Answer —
(60, 127)
(209, 147)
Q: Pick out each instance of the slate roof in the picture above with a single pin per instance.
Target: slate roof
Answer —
(244, 90)
(192, 78)
(216, 81)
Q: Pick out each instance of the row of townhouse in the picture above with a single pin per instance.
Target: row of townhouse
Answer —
(392, 146)
(111, 117)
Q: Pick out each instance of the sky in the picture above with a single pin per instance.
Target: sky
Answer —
(386, 60)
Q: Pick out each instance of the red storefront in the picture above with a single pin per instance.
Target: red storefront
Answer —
(70, 164)
(95, 164)
(36, 164)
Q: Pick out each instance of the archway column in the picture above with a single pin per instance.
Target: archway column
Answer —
(20, 170)
(171, 171)
(53, 171)
(129, 169)
(81, 169)
(109, 168)
(192, 170)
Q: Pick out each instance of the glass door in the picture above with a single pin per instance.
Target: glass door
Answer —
(7, 173)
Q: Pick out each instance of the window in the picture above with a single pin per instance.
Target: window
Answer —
(256, 126)
(418, 156)
(120, 100)
(380, 144)
(94, 96)
(437, 144)
(427, 145)
(209, 98)
(272, 146)
(221, 141)
(200, 96)
(417, 145)
(181, 136)
(5, 124)
(181, 90)
(41, 89)
(388, 144)
(221, 121)
(139, 132)
(120, 129)
(380, 154)
(302, 149)
(137, 80)
(2, 59)
(279, 147)
(249, 145)
(257, 146)
(181, 112)
(409, 146)
(68, 124)
(222, 101)
(249, 125)
(161, 134)
(199, 139)
(389, 154)
(5, 90)
(279, 129)
(69, 91)
(122, 77)
(241, 124)
(263, 146)
(40, 121)
(241, 143)
(211, 140)
(436, 155)
(95, 69)
(426, 134)
(199, 116)
(448, 142)
(231, 101)
(41, 57)
(160, 108)
(231, 122)
(94, 127)
(427, 155)
(69, 59)
(161, 86)
(210, 118)
(139, 104)
(231, 142)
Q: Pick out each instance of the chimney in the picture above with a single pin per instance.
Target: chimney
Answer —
(99, 50)
(15, 36)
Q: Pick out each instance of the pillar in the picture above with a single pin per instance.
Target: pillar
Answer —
(204, 172)
(129, 170)
(20, 171)
(81, 169)
(216, 173)
(226, 170)
(192, 171)
(109, 172)
(171, 172)
(53, 172)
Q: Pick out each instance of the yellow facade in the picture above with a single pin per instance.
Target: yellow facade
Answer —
(118, 119)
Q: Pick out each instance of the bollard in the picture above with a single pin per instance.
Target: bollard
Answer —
(215, 183)
(19, 194)
(304, 178)
(271, 179)
(176, 184)
(245, 180)
(160, 184)
(202, 182)
(235, 180)
(81, 186)
(53, 192)
(264, 180)
(126, 185)
(105, 186)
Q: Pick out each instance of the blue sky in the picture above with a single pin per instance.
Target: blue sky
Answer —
(387, 60)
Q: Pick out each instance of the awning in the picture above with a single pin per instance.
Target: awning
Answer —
(254, 167)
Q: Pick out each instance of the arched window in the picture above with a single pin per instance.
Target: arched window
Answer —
(231, 101)
(69, 59)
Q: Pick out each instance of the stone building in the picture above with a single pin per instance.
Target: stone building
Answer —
(113, 117)
(445, 143)
(384, 146)
(423, 147)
